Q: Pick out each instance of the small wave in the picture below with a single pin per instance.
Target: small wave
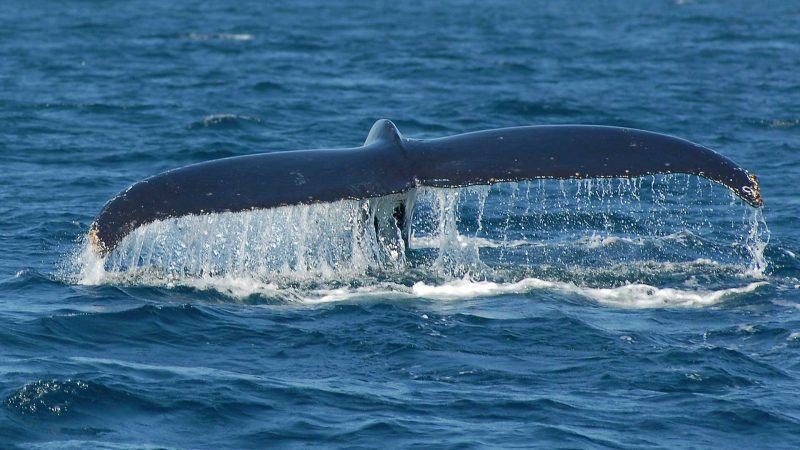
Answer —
(752, 331)
(47, 397)
(526, 108)
(220, 37)
(61, 397)
(269, 86)
(598, 241)
(24, 278)
(176, 371)
(777, 124)
(225, 121)
(634, 295)
(79, 444)
(787, 303)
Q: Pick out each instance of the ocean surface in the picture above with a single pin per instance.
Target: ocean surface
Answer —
(659, 312)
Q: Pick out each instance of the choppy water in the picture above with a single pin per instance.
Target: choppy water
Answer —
(658, 312)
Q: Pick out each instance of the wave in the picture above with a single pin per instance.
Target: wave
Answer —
(220, 36)
(80, 444)
(776, 124)
(632, 295)
(225, 122)
(629, 296)
(66, 397)
(526, 108)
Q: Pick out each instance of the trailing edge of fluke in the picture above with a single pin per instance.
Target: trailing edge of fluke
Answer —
(389, 163)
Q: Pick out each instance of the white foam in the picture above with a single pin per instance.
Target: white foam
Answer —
(466, 288)
(749, 329)
(234, 286)
(598, 241)
(626, 296)
(221, 36)
(216, 119)
(630, 295)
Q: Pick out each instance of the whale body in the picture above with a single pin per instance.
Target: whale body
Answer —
(389, 163)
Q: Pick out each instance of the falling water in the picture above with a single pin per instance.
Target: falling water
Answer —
(602, 232)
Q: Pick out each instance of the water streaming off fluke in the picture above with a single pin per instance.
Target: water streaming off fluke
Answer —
(625, 234)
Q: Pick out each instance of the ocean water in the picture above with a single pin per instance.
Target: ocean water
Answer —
(652, 313)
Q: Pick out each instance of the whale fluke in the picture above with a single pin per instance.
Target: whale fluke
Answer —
(389, 163)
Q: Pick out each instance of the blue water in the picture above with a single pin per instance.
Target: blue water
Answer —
(663, 313)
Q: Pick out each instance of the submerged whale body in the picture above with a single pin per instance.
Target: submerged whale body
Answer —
(389, 163)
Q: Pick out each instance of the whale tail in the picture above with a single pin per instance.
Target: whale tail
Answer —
(389, 163)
